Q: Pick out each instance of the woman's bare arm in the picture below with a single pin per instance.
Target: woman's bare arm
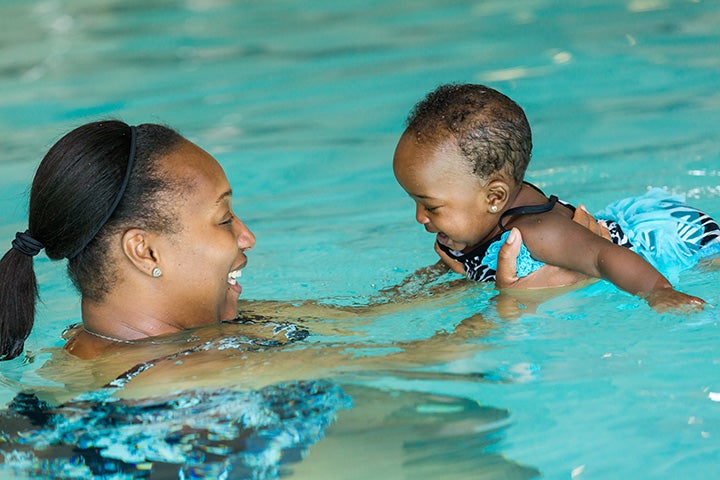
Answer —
(223, 367)
(423, 284)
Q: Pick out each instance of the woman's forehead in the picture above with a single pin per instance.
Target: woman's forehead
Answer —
(193, 169)
(190, 160)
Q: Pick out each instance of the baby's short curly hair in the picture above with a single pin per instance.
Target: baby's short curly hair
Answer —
(490, 129)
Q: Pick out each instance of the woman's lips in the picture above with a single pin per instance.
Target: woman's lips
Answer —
(232, 280)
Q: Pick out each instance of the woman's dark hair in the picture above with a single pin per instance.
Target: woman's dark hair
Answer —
(490, 129)
(74, 189)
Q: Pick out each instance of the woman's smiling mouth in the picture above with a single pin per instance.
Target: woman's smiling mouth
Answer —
(232, 280)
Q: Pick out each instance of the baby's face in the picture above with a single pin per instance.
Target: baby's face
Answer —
(450, 200)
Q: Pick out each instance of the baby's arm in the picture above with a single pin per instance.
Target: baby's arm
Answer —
(548, 276)
(634, 274)
(555, 239)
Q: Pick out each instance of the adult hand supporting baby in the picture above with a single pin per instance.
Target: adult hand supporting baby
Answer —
(547, 276)
(523, 294)
(583, 217)
(506, 276)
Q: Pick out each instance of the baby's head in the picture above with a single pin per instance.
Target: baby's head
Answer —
(489, 129)
(463, 154)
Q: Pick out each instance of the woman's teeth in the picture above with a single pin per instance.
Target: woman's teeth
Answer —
(233, 276)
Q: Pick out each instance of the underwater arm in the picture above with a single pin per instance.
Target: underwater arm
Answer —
(242, 365)
(293, 310)
(423, 286)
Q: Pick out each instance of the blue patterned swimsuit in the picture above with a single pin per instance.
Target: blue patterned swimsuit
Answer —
(197, 433)
(669, 234)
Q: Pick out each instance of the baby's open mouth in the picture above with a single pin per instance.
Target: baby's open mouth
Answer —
(443, 239)
(451, 244)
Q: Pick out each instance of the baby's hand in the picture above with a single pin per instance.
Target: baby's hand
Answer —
(664, 299)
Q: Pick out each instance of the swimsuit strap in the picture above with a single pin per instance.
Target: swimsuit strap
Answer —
(527, 210)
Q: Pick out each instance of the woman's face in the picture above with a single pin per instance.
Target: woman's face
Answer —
(201, 261)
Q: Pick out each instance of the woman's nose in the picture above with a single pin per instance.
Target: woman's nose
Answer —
(245, 238)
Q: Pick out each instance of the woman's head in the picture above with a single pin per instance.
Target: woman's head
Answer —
(82, 195)
(200, 262)
(80, 179)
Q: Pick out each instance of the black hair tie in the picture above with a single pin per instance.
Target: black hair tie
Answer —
(26, 244)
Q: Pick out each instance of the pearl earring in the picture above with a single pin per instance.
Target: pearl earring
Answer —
(493, 208)
(156, 272)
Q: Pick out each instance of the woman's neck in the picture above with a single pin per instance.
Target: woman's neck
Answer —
(124, 321)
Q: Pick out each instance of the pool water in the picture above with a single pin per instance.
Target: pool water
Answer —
(302, 103)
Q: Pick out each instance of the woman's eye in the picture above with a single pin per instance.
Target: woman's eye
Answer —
(228, 221)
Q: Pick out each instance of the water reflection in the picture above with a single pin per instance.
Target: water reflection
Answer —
(357, 432)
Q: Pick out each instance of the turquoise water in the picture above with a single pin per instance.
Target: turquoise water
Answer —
(302, 103)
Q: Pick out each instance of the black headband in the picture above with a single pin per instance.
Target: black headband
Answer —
(118, 197)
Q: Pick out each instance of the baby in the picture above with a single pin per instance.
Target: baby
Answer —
(463, 158)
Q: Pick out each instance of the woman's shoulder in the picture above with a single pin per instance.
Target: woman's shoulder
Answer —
(86, 363)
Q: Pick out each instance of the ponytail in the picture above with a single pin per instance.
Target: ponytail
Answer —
(93, 182)
(18, 293)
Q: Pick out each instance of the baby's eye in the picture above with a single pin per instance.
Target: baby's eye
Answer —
(430, 209)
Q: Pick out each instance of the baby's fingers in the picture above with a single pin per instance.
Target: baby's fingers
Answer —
(669, 299)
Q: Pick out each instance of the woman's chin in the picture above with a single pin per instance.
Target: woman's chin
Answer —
(232, 301)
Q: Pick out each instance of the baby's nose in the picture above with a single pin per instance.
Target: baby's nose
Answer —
(420, 215)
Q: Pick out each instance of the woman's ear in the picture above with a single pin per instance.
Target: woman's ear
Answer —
(139, 249)
(497, 194)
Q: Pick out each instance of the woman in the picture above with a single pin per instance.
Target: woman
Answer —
(145, 219)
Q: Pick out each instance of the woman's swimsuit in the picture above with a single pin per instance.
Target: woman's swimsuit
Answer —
(196, 433)
(666, 232)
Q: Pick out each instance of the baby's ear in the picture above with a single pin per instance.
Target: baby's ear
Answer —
(497, 194)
